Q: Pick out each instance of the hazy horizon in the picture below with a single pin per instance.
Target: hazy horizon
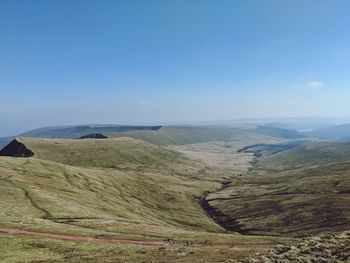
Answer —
(310, 122)
(155, 62)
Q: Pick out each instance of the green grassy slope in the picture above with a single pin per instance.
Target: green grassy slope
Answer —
(45, 195)
(107, 153)
(298, 192)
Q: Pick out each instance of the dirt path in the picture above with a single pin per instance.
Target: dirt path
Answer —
(15, 231)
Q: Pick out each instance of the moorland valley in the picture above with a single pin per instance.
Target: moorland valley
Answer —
(171, 194)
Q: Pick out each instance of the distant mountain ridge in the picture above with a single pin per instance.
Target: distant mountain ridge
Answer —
(70, 132)
(161, 135)
(337, 132)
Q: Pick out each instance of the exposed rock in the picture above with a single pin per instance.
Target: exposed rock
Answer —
(16, 149)
(94, 136)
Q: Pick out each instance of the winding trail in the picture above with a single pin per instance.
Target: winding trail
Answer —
(15, 231)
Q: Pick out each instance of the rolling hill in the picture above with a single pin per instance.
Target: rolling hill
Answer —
(298, 192)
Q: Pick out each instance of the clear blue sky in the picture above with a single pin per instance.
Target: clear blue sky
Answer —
(72, 62)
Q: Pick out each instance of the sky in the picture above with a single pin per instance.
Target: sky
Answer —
(140, 62)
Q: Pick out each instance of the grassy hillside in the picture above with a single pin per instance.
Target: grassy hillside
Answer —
(297, 192)
(45, 195)
(108, 153)
(310, 155)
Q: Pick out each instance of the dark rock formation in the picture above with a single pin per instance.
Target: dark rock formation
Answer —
(94, 136)
(16, 149)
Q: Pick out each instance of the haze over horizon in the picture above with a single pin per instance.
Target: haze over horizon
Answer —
(137, 62)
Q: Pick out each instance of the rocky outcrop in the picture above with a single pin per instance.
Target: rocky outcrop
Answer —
(94, 136)
(16, 149)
